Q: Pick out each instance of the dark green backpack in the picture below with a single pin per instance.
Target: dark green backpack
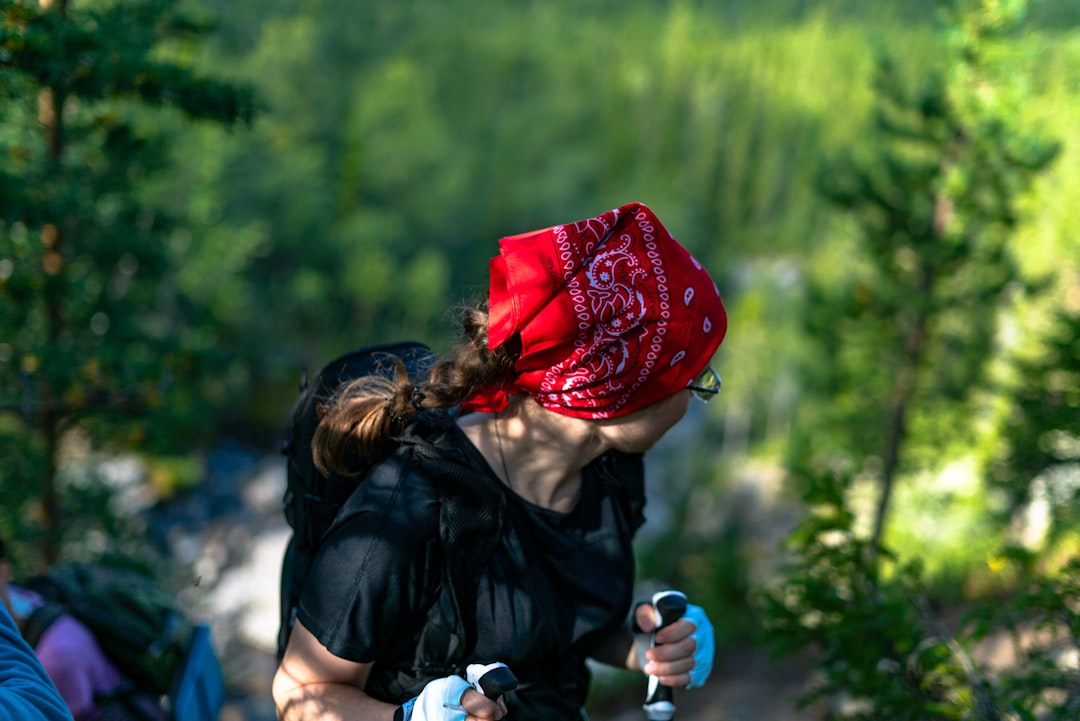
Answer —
(138, 625)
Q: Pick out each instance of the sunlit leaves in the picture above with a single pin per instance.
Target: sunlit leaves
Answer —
(906, 328)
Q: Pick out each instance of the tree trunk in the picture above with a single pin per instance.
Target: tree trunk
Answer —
(896, 430)
(914, 347)
(51, 115)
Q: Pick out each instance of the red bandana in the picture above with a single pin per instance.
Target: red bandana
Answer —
(614, 315)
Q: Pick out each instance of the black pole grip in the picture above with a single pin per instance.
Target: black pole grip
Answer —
(669, 607)
(492, 680)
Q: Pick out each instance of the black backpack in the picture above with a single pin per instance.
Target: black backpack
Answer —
(312, 501)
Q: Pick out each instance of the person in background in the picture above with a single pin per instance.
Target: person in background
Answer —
(89, 684)
(26, 691)
(594, 339)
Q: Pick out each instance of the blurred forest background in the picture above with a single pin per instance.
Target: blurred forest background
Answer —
(198, 200)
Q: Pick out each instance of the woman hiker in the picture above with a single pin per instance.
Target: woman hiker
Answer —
(594, 338)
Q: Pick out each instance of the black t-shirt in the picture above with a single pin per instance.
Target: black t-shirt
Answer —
(554, 585)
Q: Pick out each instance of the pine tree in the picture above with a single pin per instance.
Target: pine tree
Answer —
(904, 333)
(88, 327)
(907, 334)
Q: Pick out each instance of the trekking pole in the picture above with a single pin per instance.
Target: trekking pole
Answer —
(669, 607)
(492, 680)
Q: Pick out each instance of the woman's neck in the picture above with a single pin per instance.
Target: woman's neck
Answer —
(537, 453)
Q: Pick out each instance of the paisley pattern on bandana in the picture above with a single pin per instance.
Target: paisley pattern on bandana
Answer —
(593, 305)
(611, 310)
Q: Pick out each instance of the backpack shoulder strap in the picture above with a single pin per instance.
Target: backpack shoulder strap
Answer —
(471, 514)
(40, 621)
(625, 476)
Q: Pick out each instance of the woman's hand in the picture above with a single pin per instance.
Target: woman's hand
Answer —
(479, 707)
(452, 699)
(682, 656)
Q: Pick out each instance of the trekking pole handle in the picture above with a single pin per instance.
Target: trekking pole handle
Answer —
(492, 680)
(668, 607)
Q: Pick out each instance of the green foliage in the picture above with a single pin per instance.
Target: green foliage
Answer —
(92, 323)
(1038, 459)
(872, 650)
(1042, 622)
(905, 333)
(107, 53)
(401, 127)
(914, 320)
(935, 211)
(411, 131)
(880, 647)
(950, 524)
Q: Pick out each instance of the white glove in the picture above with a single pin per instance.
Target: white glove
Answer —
(439, 701)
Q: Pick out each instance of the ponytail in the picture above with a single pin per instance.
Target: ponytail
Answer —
(359, 423)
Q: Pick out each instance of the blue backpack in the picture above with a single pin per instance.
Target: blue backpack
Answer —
(199, 691)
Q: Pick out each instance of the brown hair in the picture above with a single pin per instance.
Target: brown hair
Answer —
(359, 423)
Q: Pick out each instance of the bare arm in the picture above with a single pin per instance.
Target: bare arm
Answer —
(312, 684)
